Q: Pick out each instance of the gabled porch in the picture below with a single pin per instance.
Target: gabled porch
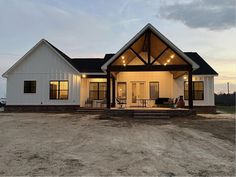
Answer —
(148, 67)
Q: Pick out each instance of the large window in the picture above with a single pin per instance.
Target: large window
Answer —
(29, 86)
(154, 90)
(97, 90)
(198, 90)
(59, 90)
(121, 90)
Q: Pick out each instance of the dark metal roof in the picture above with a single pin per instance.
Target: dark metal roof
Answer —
(204, 67)
(93, 65)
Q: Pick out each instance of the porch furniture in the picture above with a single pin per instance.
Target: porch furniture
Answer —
(88, 103)
(121, 102)
(162, 102)
(103, 103)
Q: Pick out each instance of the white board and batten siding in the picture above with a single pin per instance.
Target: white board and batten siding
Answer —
(208, 81)
(42, 65)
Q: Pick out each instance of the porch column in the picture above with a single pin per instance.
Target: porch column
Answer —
(113, 92)
(108, 89)
(190, 89)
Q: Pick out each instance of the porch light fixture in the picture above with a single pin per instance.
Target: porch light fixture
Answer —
(172, 56)
(83, 76)
(185, 77)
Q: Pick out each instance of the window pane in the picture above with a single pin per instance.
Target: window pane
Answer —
(93, 95)
(29, 86)
(53, 94)
(198, 90)
(63, 85)
(154, 90)
(102, 95)
(54, 85)
(102, 86)
(63, 95)
(121, 90)
(93, 86)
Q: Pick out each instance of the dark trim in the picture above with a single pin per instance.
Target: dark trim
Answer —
(190, 90)
(108, 89)
(160, 55)
(138, 55)
(113, 92)
(95, 76)
(31, 91)
(151, 68)
(149, 46)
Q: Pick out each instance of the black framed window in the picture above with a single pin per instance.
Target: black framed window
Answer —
(59, 90)
(154, 90)
(121, 90)
(29, 86)
(198, 90)
(97, 90)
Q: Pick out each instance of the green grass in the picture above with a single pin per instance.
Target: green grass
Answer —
(226, 109)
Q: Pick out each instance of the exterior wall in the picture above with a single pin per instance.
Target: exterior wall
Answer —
(165, 80)
(42, 65)
(209, 99)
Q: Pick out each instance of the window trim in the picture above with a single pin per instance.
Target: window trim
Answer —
(35, 87)
(194, 90)
(59, 89)
(98, 91)
(125, 89)
(150, 89)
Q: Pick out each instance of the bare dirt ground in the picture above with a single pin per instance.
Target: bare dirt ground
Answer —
(80, 144)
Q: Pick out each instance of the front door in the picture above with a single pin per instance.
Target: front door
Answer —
(138, 91)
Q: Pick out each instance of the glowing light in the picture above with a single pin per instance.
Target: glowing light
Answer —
(172, 56)
(165, 64)
(83, 76)
(122, 57)
(185, 77)
(124, 64)
(168, 61)
(123, 61)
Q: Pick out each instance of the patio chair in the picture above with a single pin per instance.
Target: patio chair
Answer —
(121, 102)
(89, 103)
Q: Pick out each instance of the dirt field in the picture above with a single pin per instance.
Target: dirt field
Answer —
(75, 144)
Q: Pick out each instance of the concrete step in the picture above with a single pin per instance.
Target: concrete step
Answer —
(152, 113)
(151, 117)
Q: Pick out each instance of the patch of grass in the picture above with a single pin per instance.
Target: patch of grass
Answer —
(226, 109)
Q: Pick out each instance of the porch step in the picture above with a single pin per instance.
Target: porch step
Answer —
(151, 115)
(90, 110)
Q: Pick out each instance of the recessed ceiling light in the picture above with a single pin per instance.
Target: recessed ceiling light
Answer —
(123, 61)
(165, 64)
(124, 64)
(83, 76)
(122, 57)
(172, 56)
(168, 61)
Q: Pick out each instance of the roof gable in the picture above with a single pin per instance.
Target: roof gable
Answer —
(159, 35)
(54, 49)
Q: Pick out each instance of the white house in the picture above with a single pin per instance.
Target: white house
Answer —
(147, 69)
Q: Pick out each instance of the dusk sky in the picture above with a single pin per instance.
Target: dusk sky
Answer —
(89, 28)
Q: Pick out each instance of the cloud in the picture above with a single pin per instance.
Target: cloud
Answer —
(210, 14)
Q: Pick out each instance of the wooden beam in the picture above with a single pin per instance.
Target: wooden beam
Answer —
(159, 55)
(95, 76)
(138, 55)
(149, 46)
(113, 92)
(150, 68)
(190, 90)
(108, 95)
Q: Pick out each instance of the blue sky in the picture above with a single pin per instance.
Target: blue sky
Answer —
(89, 28)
